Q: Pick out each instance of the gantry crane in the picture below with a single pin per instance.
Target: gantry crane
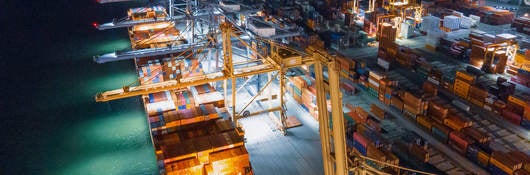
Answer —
(507, 48)
(403, 9)
(336, 158)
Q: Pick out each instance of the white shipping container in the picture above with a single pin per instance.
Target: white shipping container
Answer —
(383, 63)
(376, 84)
(433, 37)
(429, 23)
(152, 108)
(262, 29)
(208, 98)
(406, 30)
(436, 82)
(230, 6)
(488, 38)
(452, 22)
(504, 37)
(375, 75)
(466, 22)
(476, 19)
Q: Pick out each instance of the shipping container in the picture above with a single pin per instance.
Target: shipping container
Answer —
(475, 134)
(459, 142)
(511, 116)
(457, 122)
(503, 161)
(186, 166)
(419, 152)
(441, 132)
(425, 122)
(231, 161)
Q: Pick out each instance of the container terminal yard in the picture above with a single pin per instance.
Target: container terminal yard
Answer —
(330, 87)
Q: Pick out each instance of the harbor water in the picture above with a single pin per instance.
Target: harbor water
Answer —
(51, 123)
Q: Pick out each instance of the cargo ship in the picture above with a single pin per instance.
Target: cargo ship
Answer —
(190, 128)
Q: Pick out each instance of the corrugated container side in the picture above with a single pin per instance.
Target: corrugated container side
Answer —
(511, 117)
(475, 134)
(425, 122)
(459, 141)
(504, 162)
(440, 132)
(419, 152)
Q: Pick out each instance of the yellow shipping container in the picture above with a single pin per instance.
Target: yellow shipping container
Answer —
(517, 101)
(465, 76)
(476, 101)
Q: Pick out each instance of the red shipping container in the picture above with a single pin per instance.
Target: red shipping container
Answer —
(511, 117)
(460, 141)
(359, 138)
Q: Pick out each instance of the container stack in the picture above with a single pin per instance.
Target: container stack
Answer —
(433, 39)
(429, 23)
(443, 119)
(191, 68)
(195, 140)
(183, 99)
(412, 150)
(502, 163)
(463, 83)
(387, 47)
(151, 73)
(172, 70)
(364, 137)
(479, 39)
(466, 22)
(522, 25)
(451, 22)
(492, 16)
(523, 75)
(516, 107)
(156, 106)
(386, 31)
(206, 94)
(406, 57)
(303, 91)
(414, 104)
(347, 67)
(479, 92)
(406, 30)
(374, 80)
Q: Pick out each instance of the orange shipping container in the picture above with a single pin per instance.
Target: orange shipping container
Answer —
(419, 152)
(186, 166)
(457, 122)
(504, 162)
(425, 122)
(476, 135)
(232, 161)
(465, 77)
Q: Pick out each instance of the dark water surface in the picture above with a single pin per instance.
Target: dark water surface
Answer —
(50, 121)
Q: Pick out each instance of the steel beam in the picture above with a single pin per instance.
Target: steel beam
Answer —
(323, 120)
(339, 138)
